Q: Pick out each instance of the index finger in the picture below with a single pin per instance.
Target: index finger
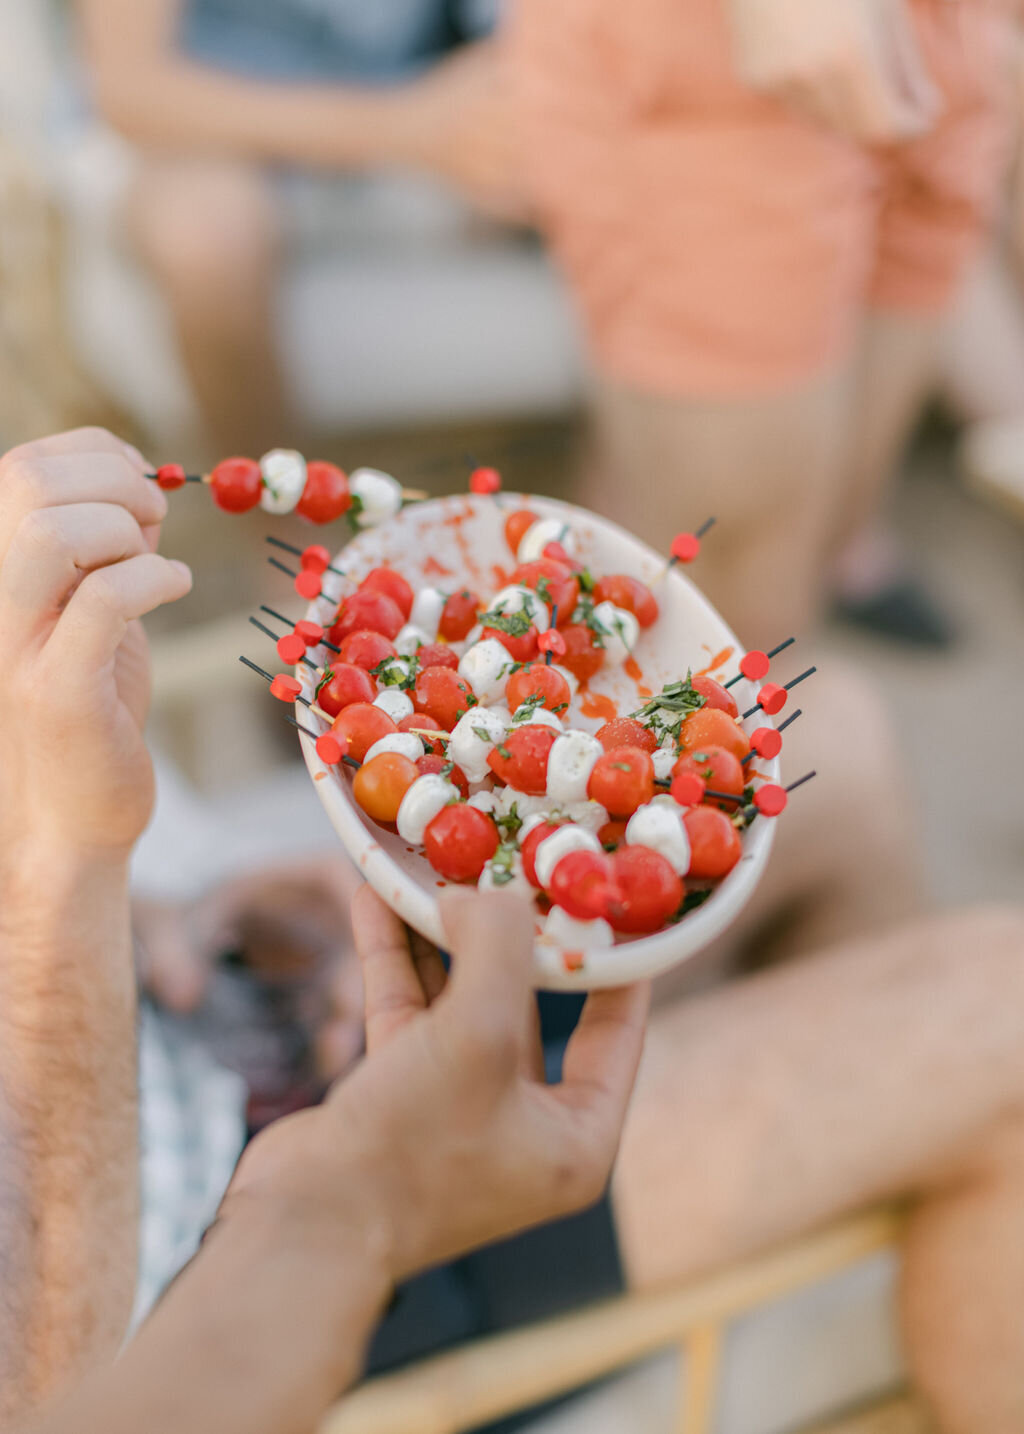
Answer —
(604, 1052)
(91, 439)
(393, 992)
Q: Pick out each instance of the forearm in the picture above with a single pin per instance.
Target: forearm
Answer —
(267, 1326)
(68, 1141)
(177, 105)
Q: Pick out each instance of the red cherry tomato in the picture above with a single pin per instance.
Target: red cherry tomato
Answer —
(325, 496)
(528, 848)
(386, 580)
(366, 649)
(521, 649)
(359, 726)
(522, 759)
(627, 732)
(649, 890)
(716, 695)
(583, 884)
(711, 727)
(433, 763)
(717, 768)
(437, 654)
(612, 834)
(380, 785)
(348, 684)
(622, 780)
(419, 722)
(555, 582)
(715, 845)
(367, 609)
(458, 616)
(538, 680)
(443, 694)
(583, 658)
(516, 526)
(629, 593)
(459, 842)
(236, 484)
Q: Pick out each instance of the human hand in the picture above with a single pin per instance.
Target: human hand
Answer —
(457, 122)
(78, 531)
(853, 65)
(291, 923)
(447, 1137)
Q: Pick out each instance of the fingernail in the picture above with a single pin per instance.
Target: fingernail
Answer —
(182, 568)
(159, 501)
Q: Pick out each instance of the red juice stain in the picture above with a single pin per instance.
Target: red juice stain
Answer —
(455, 521)
(440, 883)
(719, 660)
(319, 776)
(594, 704)
(632, 669)
(435, 569)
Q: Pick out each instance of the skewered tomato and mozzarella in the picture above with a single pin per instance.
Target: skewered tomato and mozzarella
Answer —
(461, 713)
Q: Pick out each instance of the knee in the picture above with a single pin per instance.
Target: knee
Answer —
(203, 231)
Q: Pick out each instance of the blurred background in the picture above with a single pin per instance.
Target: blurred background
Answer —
(421, 236)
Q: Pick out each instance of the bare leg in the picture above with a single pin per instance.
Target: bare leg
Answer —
(208, 232)
(768, 469)
(981, 356)
(895, 371)
(885, 1067)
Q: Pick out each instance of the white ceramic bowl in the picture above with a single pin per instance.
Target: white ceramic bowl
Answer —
(458, 540)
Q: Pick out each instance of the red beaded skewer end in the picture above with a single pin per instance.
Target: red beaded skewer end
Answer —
(688, 789)
(315, 558)
(285, 688)
(485, 481)
(766, 742)
(772, 697)
(291, 648)
(170, 476)
(770, 800)
(755, 664)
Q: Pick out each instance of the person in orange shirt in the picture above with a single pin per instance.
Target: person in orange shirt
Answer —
(763, 208)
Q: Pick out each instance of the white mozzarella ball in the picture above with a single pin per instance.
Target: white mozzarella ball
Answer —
(379, 494)
(544, 531)
(396, 703)
(486, 802)
(497, 878)
(473, 739)
(621, 634)
(500, 710)
(427, 607)
(427, 796)
(486, 666)
(664, 760)
(659, 825)
(406, 744)
(568, 933)
(570, 764)
(284, 479)
(519, 599)
(536, 717)
(560, 843)
(586, 814)
(527, 807)
(410, 639)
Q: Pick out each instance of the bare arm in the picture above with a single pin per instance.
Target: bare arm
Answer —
(77, 529)
(68, 1149)
(443, 1139)
(161, 98)
(455, 121)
